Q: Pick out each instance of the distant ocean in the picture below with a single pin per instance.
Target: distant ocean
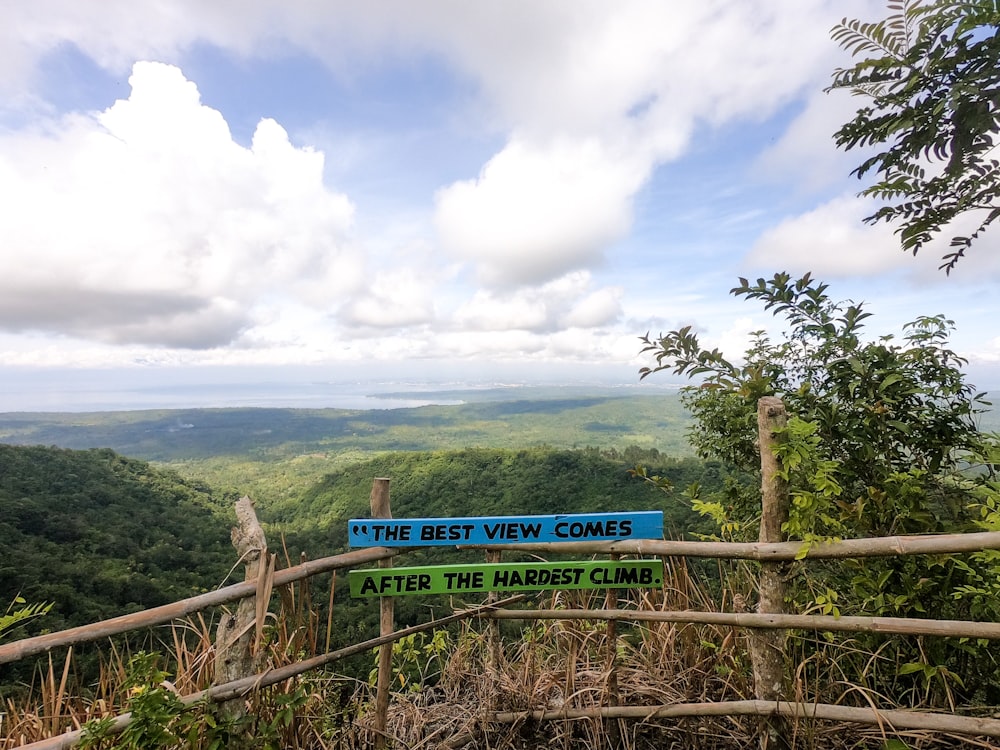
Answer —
(94, 397)
(41, 390)
(104, 390)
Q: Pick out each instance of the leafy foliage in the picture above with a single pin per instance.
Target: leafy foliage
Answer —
(487, 481)
(893, 417)
(99, 535)
(882, 440)
(161, 719)
(930, 73)
(12, 618)
(417, 661)
(563, 417)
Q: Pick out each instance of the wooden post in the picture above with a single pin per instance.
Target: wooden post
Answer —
(767, 646)
(237, 638)
(381, 508)
(493, 653)
(611, 603)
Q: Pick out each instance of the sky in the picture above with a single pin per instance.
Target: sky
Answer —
(437, 188)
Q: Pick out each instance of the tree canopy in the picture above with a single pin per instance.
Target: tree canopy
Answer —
(882, 439)
(887, 414)
(930, 72)
(98, 535)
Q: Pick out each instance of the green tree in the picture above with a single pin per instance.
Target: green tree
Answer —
(882, 439)
(100, 535)
(889, 414)
(930, 74)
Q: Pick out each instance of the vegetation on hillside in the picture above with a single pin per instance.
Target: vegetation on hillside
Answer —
(489, 481)
(273, 454)
(476, 482)
(97, 534)
(520, 418)
(444, 683)
(882, 439)
(930, 80)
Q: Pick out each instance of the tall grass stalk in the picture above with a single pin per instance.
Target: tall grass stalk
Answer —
(537, 665)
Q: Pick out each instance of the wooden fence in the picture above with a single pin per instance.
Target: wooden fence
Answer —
(766, 624)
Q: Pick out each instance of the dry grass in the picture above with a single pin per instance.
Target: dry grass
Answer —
(575, 665)
(514, 666)
(56, 701)
(52, 705)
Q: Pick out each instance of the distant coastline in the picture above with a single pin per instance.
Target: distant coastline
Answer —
(95, 397)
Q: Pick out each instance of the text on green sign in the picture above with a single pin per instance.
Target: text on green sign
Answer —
(450, 579)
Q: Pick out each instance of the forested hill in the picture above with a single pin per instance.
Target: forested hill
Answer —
(475, 482)
(486, 481)
(98, 535)
(512, 418)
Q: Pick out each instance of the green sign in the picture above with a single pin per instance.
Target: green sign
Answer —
(460, 579)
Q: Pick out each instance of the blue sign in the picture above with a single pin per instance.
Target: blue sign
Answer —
(441, 532)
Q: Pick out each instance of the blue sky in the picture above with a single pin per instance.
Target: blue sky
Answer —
(446, 186)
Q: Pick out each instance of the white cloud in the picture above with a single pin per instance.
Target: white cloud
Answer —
(575, 345)
(148, 223)
(591, 67)
(488, 312)
(829, 241)
(990, 353)
(832, 241)
(536, 213)
(398, 298)
(735, 340)
(524, 52)
(568, 302)
(592, 96)
(597, 309)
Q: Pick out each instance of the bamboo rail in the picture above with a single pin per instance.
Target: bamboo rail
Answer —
(888, 546)
(891, 718)
(168, 612)
(894, 625)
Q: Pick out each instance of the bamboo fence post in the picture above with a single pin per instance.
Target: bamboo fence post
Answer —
(381, 508)
(493, 629)
(237, 639)
(889, 721)
(767, 646)
(611, 603)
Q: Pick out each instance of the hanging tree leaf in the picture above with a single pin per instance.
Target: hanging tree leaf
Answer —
(930, 73)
